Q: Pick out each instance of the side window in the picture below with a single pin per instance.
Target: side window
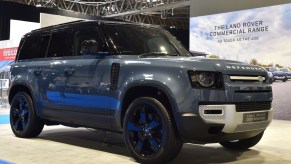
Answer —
(58, 44)
(89, 42)
(34, 47)
(30, 48)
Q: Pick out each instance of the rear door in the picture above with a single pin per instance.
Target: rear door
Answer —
(53, 77)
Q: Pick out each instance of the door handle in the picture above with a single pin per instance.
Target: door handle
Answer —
(69, 71)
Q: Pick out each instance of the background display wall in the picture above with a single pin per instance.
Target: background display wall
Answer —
(51, 19)
(209, 7)
(28, 18)
(18, 28)
(259, 36)
(245, 35)
(30, 14)
(8, 48)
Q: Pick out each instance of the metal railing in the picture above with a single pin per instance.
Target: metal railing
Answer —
(4, 83)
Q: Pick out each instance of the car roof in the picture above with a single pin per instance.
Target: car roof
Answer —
(82, 23)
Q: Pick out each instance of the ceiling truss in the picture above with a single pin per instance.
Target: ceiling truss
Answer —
(170, 13)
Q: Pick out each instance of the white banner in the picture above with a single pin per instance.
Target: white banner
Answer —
(262, 34)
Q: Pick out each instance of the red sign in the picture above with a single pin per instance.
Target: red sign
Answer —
(8, 53)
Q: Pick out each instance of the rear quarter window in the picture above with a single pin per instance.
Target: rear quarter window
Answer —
(34, 47)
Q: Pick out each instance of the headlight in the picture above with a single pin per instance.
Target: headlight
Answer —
(206, 79)
(201, 79)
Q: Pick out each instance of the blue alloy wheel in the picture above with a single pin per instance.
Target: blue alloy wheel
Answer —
(23, 120)
(145, 130)
(19, 113)
(149, 133)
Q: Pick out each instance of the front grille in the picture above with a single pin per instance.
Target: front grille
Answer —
(252, 79)
(253, 106)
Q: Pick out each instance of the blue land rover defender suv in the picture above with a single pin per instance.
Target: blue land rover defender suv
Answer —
(137, 80)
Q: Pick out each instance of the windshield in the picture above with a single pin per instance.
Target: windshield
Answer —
(285, 69)
(146, 41)
(274, 69)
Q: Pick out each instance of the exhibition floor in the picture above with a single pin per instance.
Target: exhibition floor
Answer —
(59, 144)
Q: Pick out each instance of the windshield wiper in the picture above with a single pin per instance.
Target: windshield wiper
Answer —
(156, 54)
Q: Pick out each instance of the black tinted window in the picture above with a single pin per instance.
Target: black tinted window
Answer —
(31, 48)
(44, 43)
(138, 40)
(89, 42)
(58, 45)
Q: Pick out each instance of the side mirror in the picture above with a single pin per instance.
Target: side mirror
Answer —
(197, 53)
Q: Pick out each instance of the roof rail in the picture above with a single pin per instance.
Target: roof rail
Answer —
(57, 25)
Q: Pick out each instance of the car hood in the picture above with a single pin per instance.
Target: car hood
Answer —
(229, 67)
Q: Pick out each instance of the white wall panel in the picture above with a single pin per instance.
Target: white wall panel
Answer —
(208, 7)
(50, 19)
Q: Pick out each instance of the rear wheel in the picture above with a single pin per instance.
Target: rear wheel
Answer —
(243, 144)
(149, 133)
(285, 79)
(24, 123)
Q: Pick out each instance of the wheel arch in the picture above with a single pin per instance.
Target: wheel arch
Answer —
(157, 91)
(18, 88)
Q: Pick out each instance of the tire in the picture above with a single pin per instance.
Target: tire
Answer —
(243, 144)
(23, 121)
(149, 133)
(285, 79)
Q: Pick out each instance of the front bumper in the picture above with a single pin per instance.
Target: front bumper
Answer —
(234, 121)
(201, 128)
(279, 77)
(238, 99)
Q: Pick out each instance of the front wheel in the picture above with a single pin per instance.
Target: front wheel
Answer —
(24, 123)
(149, 133)
(242, 144)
